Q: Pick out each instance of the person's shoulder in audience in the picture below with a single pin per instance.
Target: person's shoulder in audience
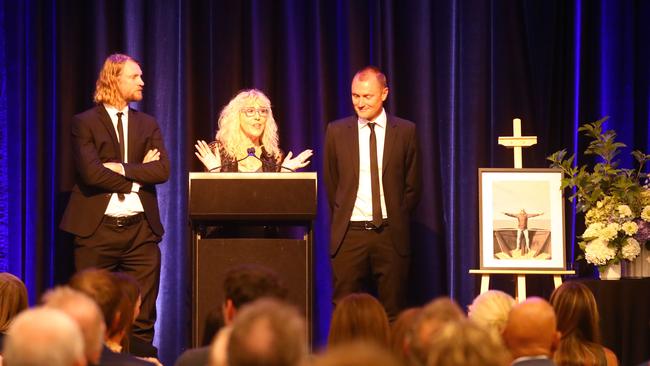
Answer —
(110, 358)
(194, 357)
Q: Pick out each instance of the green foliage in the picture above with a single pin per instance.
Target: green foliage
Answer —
(605, 178)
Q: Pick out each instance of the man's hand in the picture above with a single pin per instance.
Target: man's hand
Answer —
(116, 167)
(151, 155)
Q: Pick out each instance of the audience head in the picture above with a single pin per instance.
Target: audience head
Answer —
(491, 309)
(267, 332)
(247, 118)
(357, 353)
(359, 317)
(101, 286)
(13, 299)
(246, 283)
(531, 329)
(466, 343)
(432, 318)
(43, 337)
(85, 312)
(578, 319)
(219, 348)
(400, 330)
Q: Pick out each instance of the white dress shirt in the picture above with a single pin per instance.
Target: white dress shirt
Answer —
(131, 204)
(363, 205)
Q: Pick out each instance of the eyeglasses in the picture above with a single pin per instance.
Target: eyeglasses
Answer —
(250, 111)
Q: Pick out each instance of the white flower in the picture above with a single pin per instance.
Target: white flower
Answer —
(645, 214)
(631, 249)
(610, 231)
(597, 252)
(593, 230)
(630, 228)
(624, 211)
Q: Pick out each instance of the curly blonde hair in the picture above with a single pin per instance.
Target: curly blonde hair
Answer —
(106, 87)
(230, 136)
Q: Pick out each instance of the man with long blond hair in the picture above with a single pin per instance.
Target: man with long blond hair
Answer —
(119, 156)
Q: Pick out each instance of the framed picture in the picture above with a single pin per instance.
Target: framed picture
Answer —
(521, 219)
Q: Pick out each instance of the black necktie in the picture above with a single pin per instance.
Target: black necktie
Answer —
(120, 135)
(374, 178)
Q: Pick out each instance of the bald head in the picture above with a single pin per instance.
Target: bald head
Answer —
(531, 329)
(83, 310)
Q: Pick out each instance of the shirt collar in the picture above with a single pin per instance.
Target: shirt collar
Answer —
(380, 120)
(112, 111)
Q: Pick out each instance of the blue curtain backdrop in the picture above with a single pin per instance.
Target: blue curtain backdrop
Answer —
(461, 69)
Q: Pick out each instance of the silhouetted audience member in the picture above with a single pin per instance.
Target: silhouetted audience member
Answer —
(44, 337)
(491, 309)
(578, 321)
(267, 333)
(464, 343)
(212, 324)
(242, 284)
(432, 318)
(400, 330)
(531, 333)
(101, 286)
(359, 317)
(13, 300)
(357, 353)
(85, 312)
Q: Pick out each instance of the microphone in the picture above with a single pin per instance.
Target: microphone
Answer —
(251, 152)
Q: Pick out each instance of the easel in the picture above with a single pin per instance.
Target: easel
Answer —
(517, 142)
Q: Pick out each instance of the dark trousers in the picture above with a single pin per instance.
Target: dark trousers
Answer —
(368, 257)
(131, 249)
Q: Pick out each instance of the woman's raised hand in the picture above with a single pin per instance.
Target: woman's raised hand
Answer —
(300, 161)
(206, 155)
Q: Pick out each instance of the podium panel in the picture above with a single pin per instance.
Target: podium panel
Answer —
(250, 218)
(289, 258)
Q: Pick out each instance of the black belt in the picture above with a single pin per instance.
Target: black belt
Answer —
(367, 225)
(124, 220)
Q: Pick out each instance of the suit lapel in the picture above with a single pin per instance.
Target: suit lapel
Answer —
(108, 124)
(352, 140)
(389, 142)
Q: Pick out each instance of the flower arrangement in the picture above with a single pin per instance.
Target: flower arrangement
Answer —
(615, 203)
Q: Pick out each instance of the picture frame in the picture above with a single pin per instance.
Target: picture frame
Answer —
(526, 204)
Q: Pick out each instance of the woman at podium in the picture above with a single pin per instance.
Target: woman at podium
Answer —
(247, 139)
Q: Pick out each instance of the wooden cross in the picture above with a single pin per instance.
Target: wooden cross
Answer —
(517, 141)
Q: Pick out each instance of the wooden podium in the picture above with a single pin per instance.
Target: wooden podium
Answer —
(258, 218)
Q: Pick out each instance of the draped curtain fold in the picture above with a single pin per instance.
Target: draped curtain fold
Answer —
(461, 69)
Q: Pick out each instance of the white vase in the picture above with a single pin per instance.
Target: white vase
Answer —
(639, 267)
(610, 272)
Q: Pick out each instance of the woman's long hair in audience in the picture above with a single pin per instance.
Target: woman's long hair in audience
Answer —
(13, 299)
(129, 306)
(577, 318)
(359, 317)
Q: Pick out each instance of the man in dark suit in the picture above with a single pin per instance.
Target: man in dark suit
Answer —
(119, 157)
(372, 174)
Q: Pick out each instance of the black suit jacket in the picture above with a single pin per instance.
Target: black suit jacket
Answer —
(400, 176)
(94, 142)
